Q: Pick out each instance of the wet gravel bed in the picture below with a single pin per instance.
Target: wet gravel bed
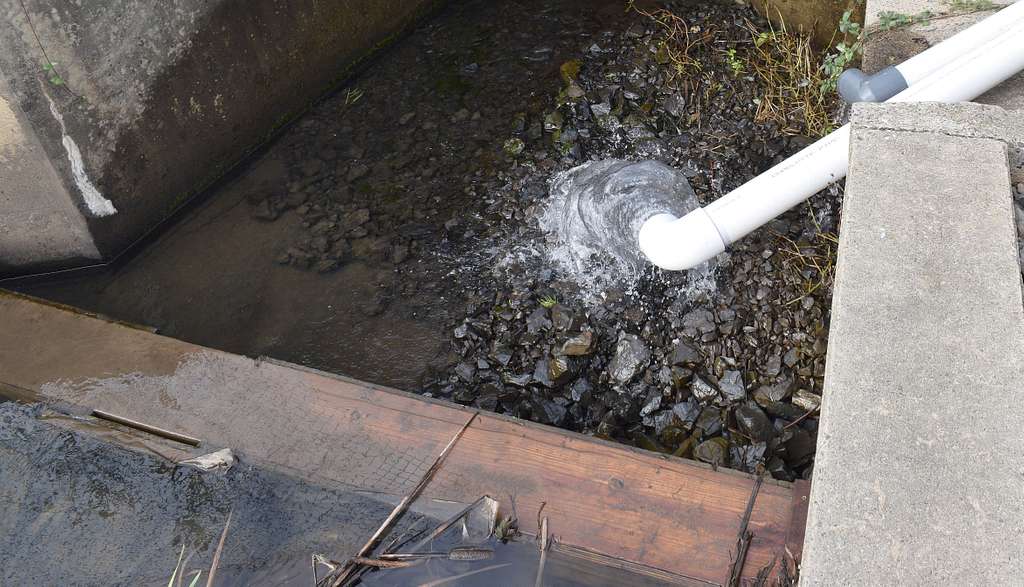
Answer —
(408, 204)
(724, 364)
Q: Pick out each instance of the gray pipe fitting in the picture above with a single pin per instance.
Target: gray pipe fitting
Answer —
(856, 86)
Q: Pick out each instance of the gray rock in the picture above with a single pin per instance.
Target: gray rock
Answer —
(753, 422)
(773, 393)
(732, 386)
(519, 380)
(698, 321)
(662, 420)
(548, 412)
(465, 371)
(685, 354)
(538, 320)
(806, 400)
(790, 358)
(748, 457)
(687, 413)
(560, 369)
(709, 421)
(652, 404)
(602, 109)
(579, 345)
(702, 390)
(714, 451)
(580, 390)
(541, 373)
(501, 354)
(631, 356)
(675, 104)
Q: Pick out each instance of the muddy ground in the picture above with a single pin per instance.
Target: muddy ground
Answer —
(392, 235)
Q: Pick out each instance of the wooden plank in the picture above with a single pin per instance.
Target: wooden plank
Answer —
(798, 523)
(667, 513)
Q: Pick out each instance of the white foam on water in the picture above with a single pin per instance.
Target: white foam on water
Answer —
(594, 213)
(588, 233)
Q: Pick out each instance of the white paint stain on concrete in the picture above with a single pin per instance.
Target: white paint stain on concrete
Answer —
(94, 200)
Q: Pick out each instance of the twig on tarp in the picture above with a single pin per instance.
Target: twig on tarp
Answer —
(459, 553)
(220, 548)
(745, 536)
(351, 566)
(385, 564)
(544, 545)
(154, 430)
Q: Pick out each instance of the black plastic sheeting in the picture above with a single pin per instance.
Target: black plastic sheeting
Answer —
(79, 511)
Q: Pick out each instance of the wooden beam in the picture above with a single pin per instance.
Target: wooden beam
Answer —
(677, 516)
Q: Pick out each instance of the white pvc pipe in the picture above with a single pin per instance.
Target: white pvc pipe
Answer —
(924, 63)
(683, 243)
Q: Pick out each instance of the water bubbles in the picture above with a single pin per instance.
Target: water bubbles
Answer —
(595, 212)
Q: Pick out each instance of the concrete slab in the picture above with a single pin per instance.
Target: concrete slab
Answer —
(919, 476)
(39, 221)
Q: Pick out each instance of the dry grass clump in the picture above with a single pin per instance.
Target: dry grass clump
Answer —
(796, 83)
(792, 78)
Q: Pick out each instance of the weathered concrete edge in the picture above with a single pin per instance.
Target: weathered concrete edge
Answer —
(969, 120)
(34, 200)
(965, 119)
(941, 120)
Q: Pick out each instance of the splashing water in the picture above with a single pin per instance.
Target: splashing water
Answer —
(596, 210)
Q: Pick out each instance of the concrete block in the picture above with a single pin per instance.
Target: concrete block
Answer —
(919, 475)
(162, 98)
(39, 222)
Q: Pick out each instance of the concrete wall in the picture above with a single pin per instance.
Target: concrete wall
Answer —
(161, 98)
(34, 201)
(819, 18)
